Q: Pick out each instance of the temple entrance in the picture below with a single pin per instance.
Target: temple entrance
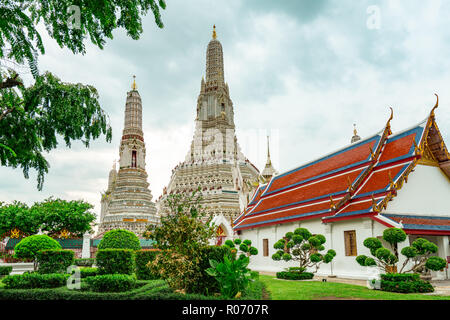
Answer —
(220, 236)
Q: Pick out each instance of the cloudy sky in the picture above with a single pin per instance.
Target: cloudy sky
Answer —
(301, 71)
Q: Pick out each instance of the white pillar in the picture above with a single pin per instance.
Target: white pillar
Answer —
(86, 251)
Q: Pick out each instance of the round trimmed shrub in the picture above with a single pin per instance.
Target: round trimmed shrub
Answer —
(435, 263)
(119, 239)
(253, 251)
(28, 247)
(394, 235)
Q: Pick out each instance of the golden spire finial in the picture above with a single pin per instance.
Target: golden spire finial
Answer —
(354, 129)
(133, 86)
(436, 105)
(214, 32)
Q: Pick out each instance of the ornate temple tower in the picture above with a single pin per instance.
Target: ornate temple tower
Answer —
(214, 161)
(269, 170)
(127, 204)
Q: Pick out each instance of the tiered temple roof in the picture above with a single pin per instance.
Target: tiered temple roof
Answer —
(356, 181)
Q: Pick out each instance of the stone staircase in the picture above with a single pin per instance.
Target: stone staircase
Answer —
(19, 268)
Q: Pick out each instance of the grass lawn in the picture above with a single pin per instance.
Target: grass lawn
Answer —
(315, 290)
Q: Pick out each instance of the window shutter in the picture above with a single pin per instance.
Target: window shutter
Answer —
(350, 243)
(265, 247)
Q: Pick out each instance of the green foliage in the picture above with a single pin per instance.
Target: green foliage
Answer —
(54, 260)
(400, 277)
(84, 262)
(208, 284)
(18, 215)
(4, 271)
(230, 243)
(143, 257)
(407, 286)
(57, 215)
(29, 246)
(111, 283)
(232, 274)
(88, 272)
(394, 235)
(32, 118)
(436, 263)
(303, 247)
(418, 253)
(35, 280)
(119, 239)
(289, 275)
(113, 261)
(180, 236)
(236, 241)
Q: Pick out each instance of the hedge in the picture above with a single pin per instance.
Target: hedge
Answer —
(400, 277)
(208, 285)
(5, 271)
(406, 286)
(294, 275)
(150, 290)
(143, 257)
(54, 260)
(119, 239)
(84, 262)
(88, 272)
(111, 261)
(35, 280)
(111, 283)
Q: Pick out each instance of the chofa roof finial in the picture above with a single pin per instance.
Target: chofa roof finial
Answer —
(435, 106)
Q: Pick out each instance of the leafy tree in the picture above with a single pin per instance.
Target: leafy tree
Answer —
(18, 216)
(120, 239)
(32, 117)
(181, 235)
(418, 253)
(28, 247)
(245, 247)
(57, 216)
(303, 247)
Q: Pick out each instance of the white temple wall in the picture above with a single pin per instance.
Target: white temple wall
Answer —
(426, 193)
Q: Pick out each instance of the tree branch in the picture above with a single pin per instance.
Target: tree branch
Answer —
(10, 82)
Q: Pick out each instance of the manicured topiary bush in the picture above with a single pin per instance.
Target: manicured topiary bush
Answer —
(28, 247)
(85, 262)
(111, 283)
(111, 261)
(290, 275)
(404, 283)
(88, 272)
(303, 247)
(35, 280)
(119, 239)
(143, 272)
(418, 254)
(5, 271)
(54, 261)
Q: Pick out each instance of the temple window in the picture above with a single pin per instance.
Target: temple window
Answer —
(265, 247)
(350, 243)
(133, 158)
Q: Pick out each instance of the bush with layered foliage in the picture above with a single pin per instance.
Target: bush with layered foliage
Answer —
(120, 239)
(241, 247)
(418, 254)
(35, 280)
(88, 272)
(4, 271)
(113, 261)
(303, 247)
(404, 283)
(183, 232)
(54, 261)
(143, 257)
(111, 283)
(28, 247)
(208, 284)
